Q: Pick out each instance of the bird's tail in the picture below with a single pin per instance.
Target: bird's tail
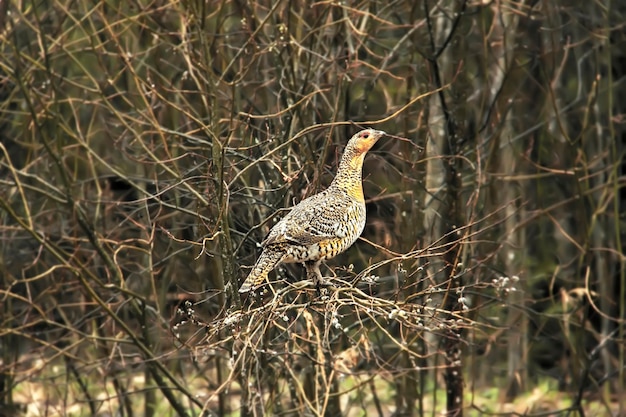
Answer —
(266, 262)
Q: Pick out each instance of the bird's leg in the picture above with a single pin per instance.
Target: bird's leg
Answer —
(313, 272)
(315, 275)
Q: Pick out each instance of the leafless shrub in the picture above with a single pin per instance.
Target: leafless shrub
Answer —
(147, 147)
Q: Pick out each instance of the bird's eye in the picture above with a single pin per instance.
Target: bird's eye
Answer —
(365, 135)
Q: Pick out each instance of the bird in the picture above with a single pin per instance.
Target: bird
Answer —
(322, 225)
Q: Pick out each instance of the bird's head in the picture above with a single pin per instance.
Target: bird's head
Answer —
(364, 140)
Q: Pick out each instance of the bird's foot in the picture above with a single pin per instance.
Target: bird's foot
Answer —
(321, 282)
(324, 286)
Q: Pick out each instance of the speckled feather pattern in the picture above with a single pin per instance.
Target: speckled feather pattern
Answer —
(323, 225)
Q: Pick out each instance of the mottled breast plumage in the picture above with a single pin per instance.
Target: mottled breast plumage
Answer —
(331, 214)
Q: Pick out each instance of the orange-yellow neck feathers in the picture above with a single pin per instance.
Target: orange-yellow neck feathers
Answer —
(349, 174)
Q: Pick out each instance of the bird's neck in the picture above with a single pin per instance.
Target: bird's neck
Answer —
(349, 175)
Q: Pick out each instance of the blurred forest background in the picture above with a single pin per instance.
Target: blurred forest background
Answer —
(146, 148)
